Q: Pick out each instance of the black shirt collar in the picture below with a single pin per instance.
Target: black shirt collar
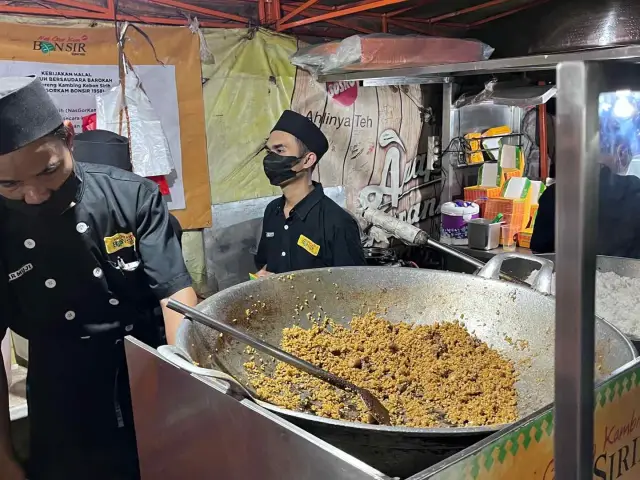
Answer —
(304, 206)
(79, 172)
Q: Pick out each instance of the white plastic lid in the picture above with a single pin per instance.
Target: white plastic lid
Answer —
(464, 208)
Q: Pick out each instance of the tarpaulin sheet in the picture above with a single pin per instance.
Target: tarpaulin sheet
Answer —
(245, 92)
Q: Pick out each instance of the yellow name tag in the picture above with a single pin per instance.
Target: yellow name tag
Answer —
(308, 245)
(119, 241)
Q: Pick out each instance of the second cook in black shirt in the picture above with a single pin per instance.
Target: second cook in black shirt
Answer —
(304, 228)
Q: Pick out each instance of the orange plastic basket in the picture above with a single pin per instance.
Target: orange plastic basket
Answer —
(471, 194)
(508, 173)
(513, 211)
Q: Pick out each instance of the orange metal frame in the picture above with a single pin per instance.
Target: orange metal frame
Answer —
(82, 10)
(281, 15)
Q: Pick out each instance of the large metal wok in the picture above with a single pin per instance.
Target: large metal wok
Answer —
(494, 310)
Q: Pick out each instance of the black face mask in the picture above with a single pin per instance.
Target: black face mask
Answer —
(58, 202)
(278, 169)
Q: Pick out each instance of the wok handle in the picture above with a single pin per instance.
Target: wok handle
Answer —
(181, 359)
(542, 281)
(264, 347)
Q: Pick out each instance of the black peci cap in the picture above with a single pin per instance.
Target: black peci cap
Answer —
(304, 130)
(27, 113)
(102, 147)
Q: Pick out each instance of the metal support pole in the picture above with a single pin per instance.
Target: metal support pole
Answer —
(544, 145)
(448, 173)
(578, 150)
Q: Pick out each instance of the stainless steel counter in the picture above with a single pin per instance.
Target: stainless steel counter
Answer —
(187, 427)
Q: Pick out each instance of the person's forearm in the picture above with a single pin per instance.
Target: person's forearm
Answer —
(172, 319)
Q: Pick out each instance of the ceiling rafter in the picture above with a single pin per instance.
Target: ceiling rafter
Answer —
(79, 5)
(357, 8)
(296, 11)
(107, 14)
(521, 8)
(404, 10)
(445, 16)
(209, 12)
(338, 23)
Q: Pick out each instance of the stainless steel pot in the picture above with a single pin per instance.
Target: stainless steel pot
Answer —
(573, 25)
(625, 267)
(492, 309)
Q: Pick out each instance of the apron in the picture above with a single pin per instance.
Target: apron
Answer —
(80, 413)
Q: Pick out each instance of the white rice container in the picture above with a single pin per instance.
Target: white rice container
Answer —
(454, 219)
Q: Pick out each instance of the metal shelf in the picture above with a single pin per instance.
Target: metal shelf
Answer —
(445, 73)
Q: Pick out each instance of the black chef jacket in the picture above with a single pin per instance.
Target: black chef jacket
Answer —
(177, 228)
(618, 219)
(77, 284)
(318, 233)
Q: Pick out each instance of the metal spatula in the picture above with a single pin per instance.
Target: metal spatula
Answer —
(376, 409)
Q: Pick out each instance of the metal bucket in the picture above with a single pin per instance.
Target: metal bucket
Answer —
(493, 309)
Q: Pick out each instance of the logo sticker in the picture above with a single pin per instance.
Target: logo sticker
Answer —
(119, 241)
(308, 245)
(344, 92)
(18, 273)
(73, 45)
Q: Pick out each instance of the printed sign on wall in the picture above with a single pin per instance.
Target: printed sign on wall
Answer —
(76, 64)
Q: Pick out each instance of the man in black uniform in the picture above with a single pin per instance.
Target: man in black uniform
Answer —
(103, 147)
(304, 228)
(618, 224)
(84, 250)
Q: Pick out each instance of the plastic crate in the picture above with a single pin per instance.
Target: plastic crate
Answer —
(471, 194)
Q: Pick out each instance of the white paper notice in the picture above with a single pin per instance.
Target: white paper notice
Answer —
(74, 87)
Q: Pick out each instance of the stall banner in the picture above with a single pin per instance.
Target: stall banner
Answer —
(373, 132)
(76, 64)
(525, 451)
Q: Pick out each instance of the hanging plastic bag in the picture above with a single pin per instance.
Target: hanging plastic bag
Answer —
(131, 114)
(89, 122)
